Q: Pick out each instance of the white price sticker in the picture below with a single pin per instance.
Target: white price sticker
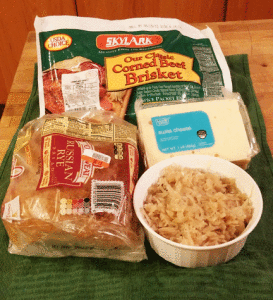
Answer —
(81, 90)
(12, 210)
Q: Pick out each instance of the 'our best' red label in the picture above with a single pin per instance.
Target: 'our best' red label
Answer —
(112, 41)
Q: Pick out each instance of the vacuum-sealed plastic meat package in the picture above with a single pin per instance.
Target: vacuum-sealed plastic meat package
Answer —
(90, 62)
(71, 186)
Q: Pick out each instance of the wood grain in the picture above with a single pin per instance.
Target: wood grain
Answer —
(187, 11)
(19, 94)
(16, 20)
(254, 38)
(249, 10)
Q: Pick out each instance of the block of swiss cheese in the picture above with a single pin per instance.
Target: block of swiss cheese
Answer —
(214, 127)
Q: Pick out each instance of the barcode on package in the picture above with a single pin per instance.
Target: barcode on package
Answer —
(101, 159)
(84, 108)
(107, 196)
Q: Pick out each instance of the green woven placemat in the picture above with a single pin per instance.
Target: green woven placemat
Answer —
(248, 276)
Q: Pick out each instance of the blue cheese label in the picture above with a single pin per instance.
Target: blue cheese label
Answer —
(183, 131)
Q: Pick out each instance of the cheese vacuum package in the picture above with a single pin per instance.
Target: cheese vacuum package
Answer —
(71, 186)
(88, 63)
(217, 126)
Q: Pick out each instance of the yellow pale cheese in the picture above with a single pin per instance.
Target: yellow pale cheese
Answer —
(231, 140)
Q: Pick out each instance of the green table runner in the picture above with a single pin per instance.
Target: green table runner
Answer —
(248, 276)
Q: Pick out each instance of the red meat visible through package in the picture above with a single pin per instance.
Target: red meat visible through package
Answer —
(52, 82)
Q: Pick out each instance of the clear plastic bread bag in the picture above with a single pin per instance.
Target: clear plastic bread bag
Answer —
(71, 186)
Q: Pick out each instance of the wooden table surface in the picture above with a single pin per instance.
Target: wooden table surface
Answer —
(254, 38)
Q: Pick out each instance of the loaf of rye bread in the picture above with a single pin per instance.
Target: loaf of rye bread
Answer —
(71, 188)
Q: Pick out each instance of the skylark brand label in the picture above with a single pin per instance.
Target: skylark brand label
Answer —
(113, 41)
